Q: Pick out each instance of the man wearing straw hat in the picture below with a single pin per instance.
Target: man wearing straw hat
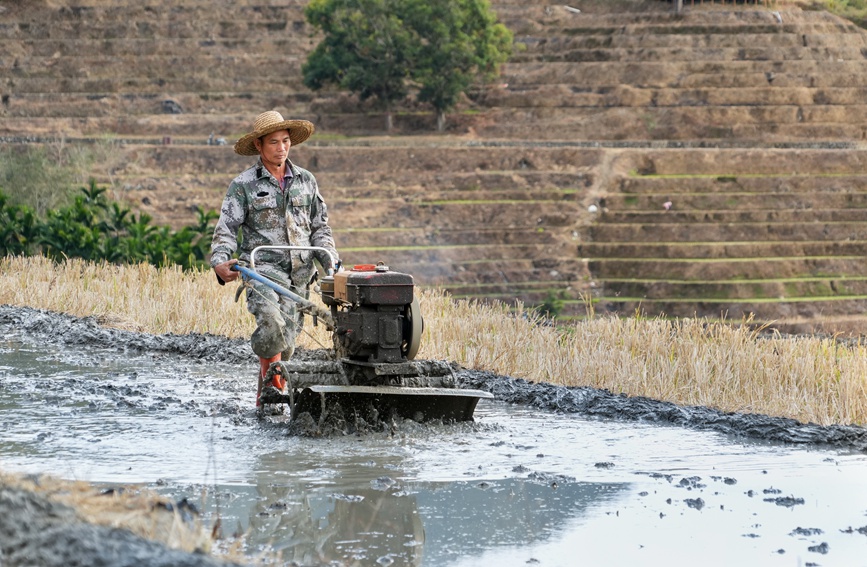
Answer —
(274, 203)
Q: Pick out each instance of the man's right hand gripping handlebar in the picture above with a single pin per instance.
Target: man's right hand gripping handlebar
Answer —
(225, 273)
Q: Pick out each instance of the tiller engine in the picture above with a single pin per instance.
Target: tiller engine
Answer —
(377, 317)
(376, 326)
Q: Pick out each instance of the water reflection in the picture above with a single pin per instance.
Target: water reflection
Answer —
(464, 520)
(331, 517)
(367, 516)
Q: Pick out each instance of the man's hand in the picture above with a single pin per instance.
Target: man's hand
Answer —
(225, 273)
(327, 263)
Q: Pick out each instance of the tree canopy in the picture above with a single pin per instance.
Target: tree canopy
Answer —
(382, 48)
(461, 42)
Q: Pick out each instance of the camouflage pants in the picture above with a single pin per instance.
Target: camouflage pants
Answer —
(278, 320)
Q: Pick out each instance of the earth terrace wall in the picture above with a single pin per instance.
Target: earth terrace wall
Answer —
(777, 234)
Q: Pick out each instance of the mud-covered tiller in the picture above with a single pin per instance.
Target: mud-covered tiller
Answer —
(376, 326)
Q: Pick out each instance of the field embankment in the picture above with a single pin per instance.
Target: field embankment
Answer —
(51, 522)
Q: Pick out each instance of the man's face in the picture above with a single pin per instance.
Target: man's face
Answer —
(274, 147)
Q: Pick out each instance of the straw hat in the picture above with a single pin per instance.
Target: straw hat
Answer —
(271, 121)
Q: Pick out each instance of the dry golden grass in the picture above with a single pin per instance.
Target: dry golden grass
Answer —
(687, 361)
(138, 511)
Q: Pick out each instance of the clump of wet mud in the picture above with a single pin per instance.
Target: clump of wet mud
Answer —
(582, 400)
(66, 329)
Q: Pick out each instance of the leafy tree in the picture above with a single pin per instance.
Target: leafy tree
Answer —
(461, 42)
(379, 48)
(367, 49)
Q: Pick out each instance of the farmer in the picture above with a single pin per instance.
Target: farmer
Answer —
(274, 202)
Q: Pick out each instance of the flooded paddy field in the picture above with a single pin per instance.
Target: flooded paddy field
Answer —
(544, 476)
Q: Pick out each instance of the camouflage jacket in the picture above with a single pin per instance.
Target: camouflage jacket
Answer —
(268, 215)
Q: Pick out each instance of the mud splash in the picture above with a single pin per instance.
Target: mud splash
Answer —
(579, 400)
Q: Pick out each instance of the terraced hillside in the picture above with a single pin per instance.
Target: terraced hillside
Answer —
(711, 74)
(750, 122)
(778, 233)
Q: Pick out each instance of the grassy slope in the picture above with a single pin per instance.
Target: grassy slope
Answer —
(854, 10)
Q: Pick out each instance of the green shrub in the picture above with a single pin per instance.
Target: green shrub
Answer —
(553, 305)
(93, 228)
(19, 228)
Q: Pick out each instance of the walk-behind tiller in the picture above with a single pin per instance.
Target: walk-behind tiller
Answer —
(376, 326)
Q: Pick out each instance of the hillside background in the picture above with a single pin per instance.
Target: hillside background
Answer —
(748, 119)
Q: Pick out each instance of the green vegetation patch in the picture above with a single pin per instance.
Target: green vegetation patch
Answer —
(45, 211)
(94, 228)
(854, 10)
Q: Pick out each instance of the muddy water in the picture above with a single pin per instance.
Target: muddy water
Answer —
(520, 486)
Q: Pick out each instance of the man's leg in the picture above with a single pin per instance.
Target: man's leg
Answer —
(292, 317)
(269, 339)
